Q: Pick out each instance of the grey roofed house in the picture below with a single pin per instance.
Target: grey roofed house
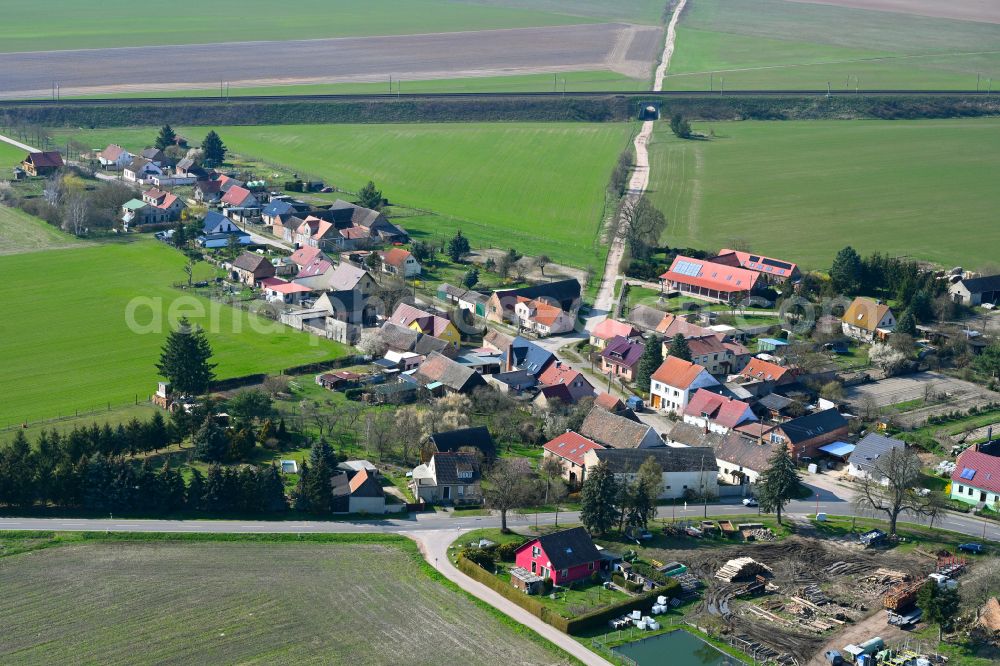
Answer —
(645, 317)
(448, 466)
(154, 155)
(871, 447)
(401, 339)
(567, 548)
(669, 458)
(497, 340)
(478, 437)
(750, 454)
(438, 369)
(813, 425)
(252, 262)
(565, 293)
(774, 402)
(345, 277)
(617, 431)
(343, 213)
(689, 434)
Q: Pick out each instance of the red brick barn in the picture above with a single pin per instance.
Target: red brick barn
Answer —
(563, 556)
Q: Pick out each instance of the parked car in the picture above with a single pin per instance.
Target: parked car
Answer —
(974, 548)
(749, 501)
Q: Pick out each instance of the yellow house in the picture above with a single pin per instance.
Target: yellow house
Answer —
(428, 323)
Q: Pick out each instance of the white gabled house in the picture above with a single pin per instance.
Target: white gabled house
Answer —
(675, 381)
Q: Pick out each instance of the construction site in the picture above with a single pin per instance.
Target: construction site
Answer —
(790, 601)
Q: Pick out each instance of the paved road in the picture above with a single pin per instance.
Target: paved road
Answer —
(624, 48)
(18, 144)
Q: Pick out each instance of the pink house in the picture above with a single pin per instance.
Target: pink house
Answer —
(563, 556)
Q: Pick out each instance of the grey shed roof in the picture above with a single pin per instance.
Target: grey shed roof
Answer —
(871, 447)
(645, 317)
(567, 548)
(448, 466)
(774, 402)
(813, 425)
(477, 437)
(689, 434)
(669, 458)
(612, 430)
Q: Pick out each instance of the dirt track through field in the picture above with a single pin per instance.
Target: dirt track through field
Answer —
(984, 11)
(623, 48)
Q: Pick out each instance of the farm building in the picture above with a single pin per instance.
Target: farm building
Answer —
(772, 271)
(453, 441)
(615, 431)
(976, 291)
(564, 294)
(709, 281)
(687, 471)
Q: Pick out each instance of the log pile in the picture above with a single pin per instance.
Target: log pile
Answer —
(742, 568)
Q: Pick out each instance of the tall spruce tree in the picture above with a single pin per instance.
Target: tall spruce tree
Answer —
(166, 138)
(940, 605)
(272, 490)
(679, 348)
(184, 360)
(779, 483)
(598, 511)
(458, 247)
(213, 150)
(652, 357)
(211, 443)
(847, 271)
(195, 494)
(370, 197)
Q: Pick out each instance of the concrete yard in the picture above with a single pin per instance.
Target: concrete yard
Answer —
(626, 49)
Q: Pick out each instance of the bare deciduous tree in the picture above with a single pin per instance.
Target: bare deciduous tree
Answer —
(378, 432)
(889, 488)
(371, 344)
(508, 487)
(75, 215)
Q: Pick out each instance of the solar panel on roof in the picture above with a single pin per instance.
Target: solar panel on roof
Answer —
(754, 258)
(688, 268)
(777, 264)
(967, 474)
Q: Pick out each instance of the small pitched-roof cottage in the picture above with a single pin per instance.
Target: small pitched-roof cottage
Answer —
(609, 329)
(569, 449)
(440, 373)
(43, 163)
(864, 459)
(717, 413)
(673, 383)
(976, 478)
(250, 268)
(618, 432)
(867, 319)
(621, 357)
(563, 556)
(448, 478)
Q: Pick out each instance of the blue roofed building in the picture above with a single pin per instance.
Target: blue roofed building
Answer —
(217, 223)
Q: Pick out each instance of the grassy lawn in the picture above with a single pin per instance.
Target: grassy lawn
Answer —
(9, 156)
(913, 536)
(20, 232)
(915, 188)
(68, 24)
(151, 598)
(773, 44)
(78, 353)
(564, 81)
(536, 186)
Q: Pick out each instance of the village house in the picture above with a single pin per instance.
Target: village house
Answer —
(564, 294)
(717, 413)
(42, 164)
(440, 374)
(559, 382)
(742, 459)
(564, 556)
(140, 171)
(686, 471)
(538, 316)
(406, 340)
(348, 306)
(976, 479)
(279, 206)
(868, 320)
(114, 157)
(208, 192)
(675, 381)
(764, 372)
(708, 281)
(609, 329)
(155, 155)
(216, 241)
(321, 275)
(569, 449)
(806, 434)
(621, 357)
(772, 271)
(240, 204)
(714, 354)
(250, 268)
(136, 212)
(218, 224)
(345, 215)
(398, 261)
(360, 492)
(448, 478)
(281, 291)
(189, 168)
(428, 323)
(976, 291)
(670, 326)
(645, 318)
(477, 440)
(166, 207)
(609, 403)
(865, 457)
(617, 432)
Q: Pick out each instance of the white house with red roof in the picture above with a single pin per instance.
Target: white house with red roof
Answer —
(714, 353)
(277, 290)
(542, 318)
(167, 207)
(240, 203)
(709, 281)
(717, 413)
(976, 478)
(675, 381)
(610, 329)
(114, 157)
(569, 449)
(398, 261)
(560, 381)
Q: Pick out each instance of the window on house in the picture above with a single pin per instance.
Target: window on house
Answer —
(564, 573)
(591, 566)
(535, 551)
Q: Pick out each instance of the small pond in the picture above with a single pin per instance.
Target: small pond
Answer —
(676, 648)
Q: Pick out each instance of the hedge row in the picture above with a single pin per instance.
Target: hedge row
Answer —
(570, 626)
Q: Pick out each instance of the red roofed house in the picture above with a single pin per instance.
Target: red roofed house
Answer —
(541, 317)
(977, 475)
(277, 290)
(114, 157)
(713, 353)
(612, 328)
(560, 381)
(773, 271)
(250, 268)
(569, 449)
(314, 232)
(42, 164)
(709, 281)
(621, 357)
(759, 370)
(609, 402)
(398, 261)
(307, 255)
(671, 325)
(716, 413)
(240, 203)
(563, 556)
(675, 381)
(167, 206)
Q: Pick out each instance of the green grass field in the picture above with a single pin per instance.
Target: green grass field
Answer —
(9, 156)
(70, 24)
(68, 347)
(538, 187)
(803, 190)
(20, 232)
(249, 600)
(563, 81)
(754, 44)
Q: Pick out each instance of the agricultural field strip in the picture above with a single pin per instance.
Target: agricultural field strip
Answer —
(625, 49)
(986, 11)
